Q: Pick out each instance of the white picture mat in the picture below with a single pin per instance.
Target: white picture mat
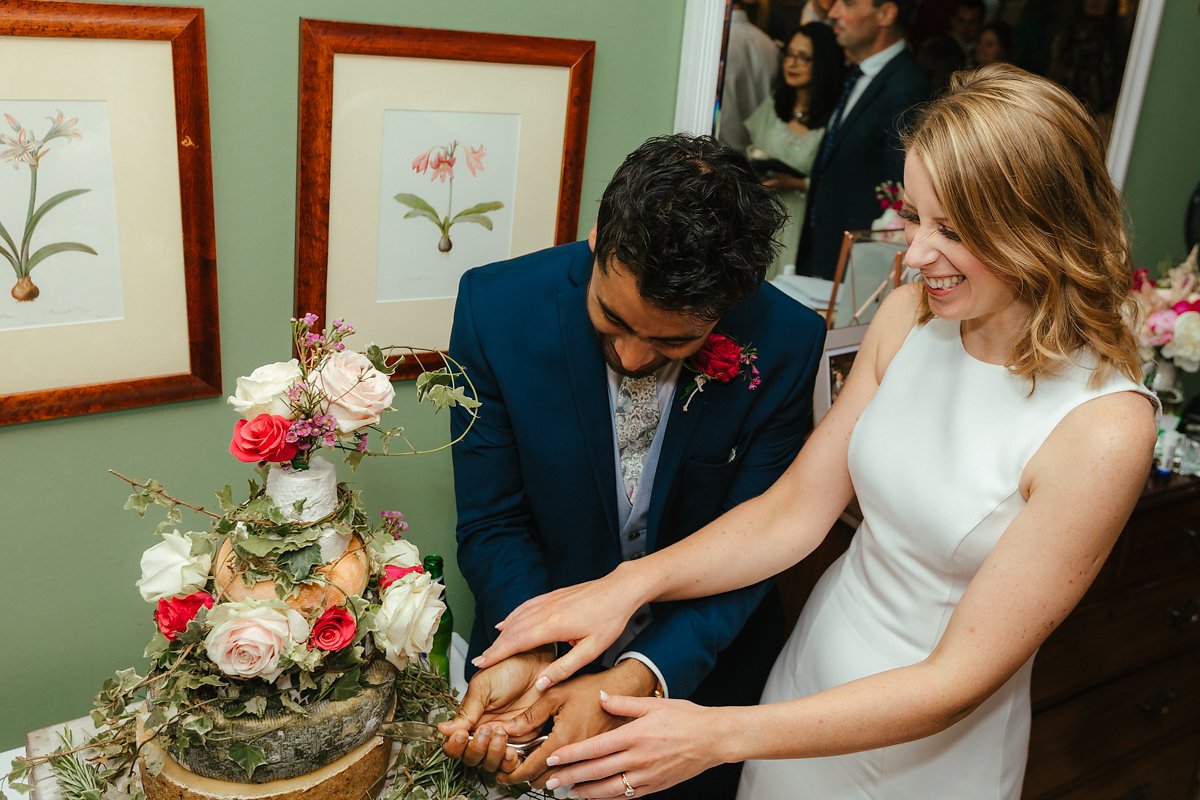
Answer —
(363, 88)
(410, 265)
(135, 78)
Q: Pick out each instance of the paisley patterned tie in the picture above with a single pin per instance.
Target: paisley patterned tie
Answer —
(637, 417)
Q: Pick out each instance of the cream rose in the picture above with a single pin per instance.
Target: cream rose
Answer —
(399, 552)
(264, 391)
(1184, 347)
(249, 637)
(169, 569)
(408, 618)
(358, 393)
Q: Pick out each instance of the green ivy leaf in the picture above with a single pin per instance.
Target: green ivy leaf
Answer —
(379, 361)
(256, 705)
(354, 458)
(247, 756)
(300, 563)
(225, 499)
(139, 501)
(346, 686)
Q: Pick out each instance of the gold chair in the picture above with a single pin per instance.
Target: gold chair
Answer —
(870, 264)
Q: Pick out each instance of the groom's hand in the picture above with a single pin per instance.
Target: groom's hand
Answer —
(575, 707)
(497, 692)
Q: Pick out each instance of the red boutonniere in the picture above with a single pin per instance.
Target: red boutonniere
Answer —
(721, 359)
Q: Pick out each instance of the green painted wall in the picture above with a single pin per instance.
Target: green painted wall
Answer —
(1164, 167)
(69, 613)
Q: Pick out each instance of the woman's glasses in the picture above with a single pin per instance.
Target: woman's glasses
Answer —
(803, 58)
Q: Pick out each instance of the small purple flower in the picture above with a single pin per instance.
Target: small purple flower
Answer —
(339, 347)
(310, 319)
(313, 339)
(362, 444)
(393, 523)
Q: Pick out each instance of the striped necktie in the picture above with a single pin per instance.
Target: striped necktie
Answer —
(835, 121)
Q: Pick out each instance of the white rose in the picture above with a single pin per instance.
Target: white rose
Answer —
(1184, 347)
(358, 393)
(249, 637)
(169, 569)
(400, 553)
(264, 391)
(408, 618)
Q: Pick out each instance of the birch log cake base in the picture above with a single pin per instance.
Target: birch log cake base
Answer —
(358, 775)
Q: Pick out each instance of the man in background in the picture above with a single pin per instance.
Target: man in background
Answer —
(861, 148)
(751, 63)
(596, 445)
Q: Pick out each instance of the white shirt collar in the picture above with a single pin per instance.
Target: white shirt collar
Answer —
(871, 65)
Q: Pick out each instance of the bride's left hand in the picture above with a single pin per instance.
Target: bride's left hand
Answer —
(668, 742)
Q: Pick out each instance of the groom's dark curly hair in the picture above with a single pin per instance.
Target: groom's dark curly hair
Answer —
(689, 219)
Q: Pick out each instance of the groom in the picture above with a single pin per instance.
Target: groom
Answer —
(594, 446)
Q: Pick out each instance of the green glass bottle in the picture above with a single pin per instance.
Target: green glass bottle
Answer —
(439, 655)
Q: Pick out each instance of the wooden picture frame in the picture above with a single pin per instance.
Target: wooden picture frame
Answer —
(163, 344)
(841, 346)
(341, 202)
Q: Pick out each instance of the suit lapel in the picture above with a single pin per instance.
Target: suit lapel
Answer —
(680, 427)
(864, 102)
(589, 385)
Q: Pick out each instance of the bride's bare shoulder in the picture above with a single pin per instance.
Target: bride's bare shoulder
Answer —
(897, 315)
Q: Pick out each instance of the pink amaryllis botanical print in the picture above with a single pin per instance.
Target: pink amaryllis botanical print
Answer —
(22, 148)
(438, 162)
(721, 359)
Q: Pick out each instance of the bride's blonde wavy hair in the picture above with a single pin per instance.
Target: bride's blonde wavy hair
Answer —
(1018, 167)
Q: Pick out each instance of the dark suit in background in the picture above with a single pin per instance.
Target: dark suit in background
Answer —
(866, 151)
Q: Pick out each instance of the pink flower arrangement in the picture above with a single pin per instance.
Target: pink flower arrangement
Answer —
(1168, 324)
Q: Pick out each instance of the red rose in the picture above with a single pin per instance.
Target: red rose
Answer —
(263, 438)
(1184, 306)
(1140, 278)
(392, 573)
(173, 614)
(333, 631)
(720, 359)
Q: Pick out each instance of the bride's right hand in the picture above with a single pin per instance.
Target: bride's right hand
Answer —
(589, 616)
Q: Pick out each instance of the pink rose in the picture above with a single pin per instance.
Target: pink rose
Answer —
(393, 573)
(249, 638)
(1159, 328)
(173, 614)
(263, 438)
(1184, 306)
(333, 630)
(719, 359)
(358, 393)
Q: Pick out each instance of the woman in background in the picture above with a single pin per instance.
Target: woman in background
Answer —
(788, 126)
(995, 432)
(995, 44)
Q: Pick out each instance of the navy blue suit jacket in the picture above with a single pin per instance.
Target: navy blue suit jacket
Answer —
(535, 479)
(866, 152)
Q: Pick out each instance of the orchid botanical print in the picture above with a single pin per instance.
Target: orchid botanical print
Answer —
(447, 188)
(439, 163)
(23, 149)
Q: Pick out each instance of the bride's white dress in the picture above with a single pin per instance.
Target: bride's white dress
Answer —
(935, 459)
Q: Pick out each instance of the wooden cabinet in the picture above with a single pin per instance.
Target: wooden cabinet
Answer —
(1116, 689)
